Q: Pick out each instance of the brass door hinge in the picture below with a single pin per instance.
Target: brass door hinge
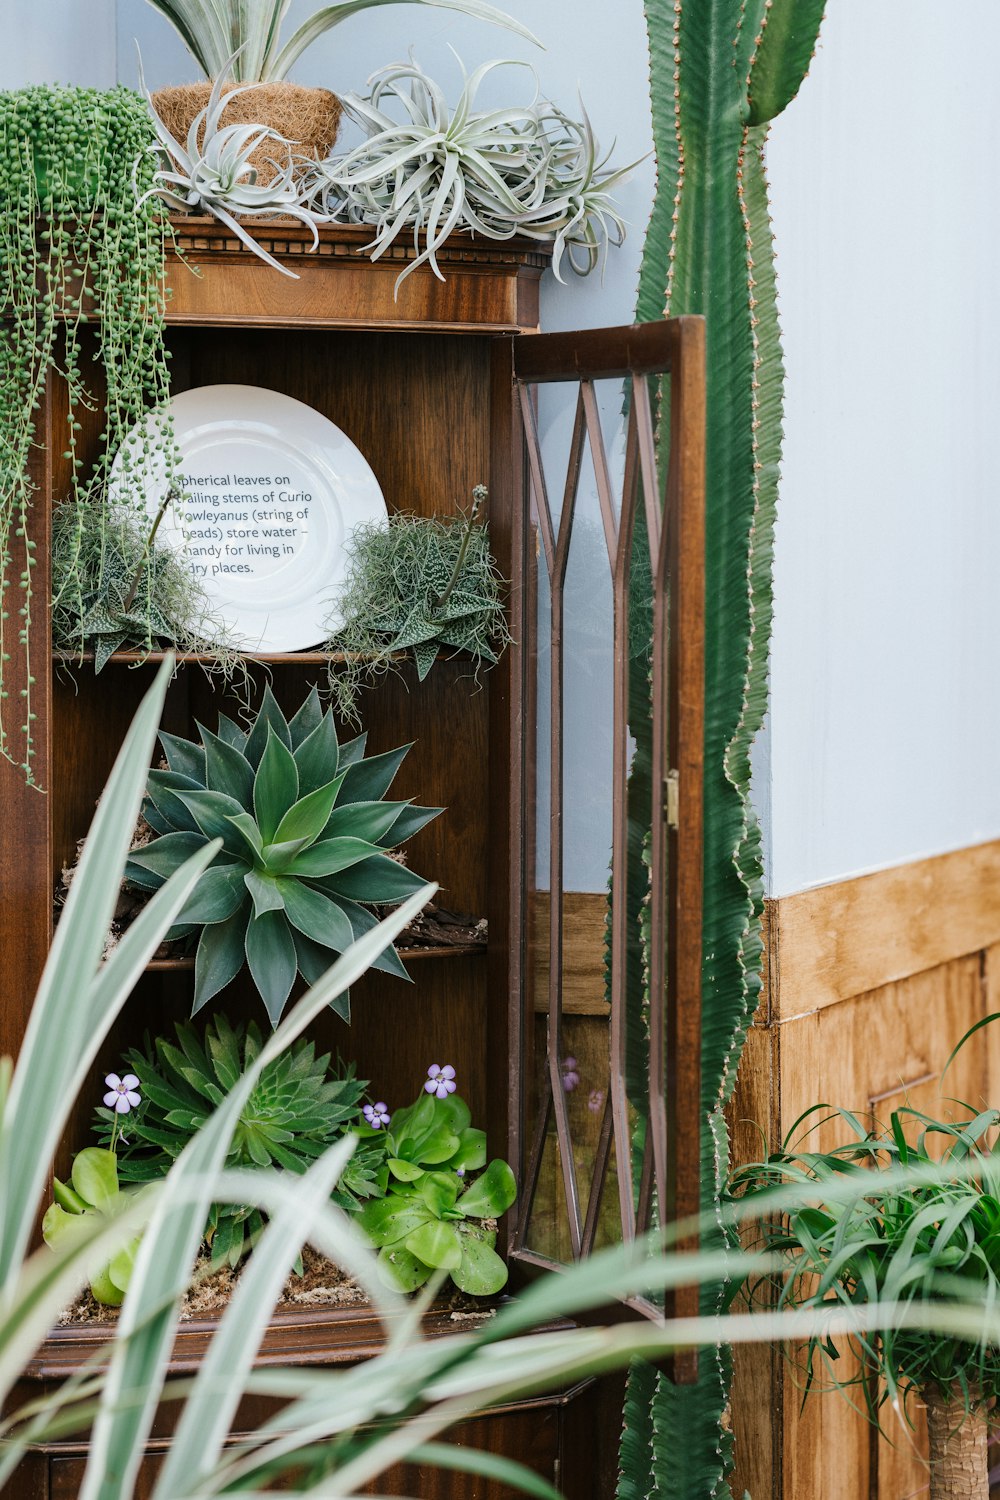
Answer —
(672, 798)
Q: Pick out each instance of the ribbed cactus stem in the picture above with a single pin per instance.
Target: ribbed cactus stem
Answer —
(719, 71)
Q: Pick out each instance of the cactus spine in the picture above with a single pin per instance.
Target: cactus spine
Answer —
(720, 71)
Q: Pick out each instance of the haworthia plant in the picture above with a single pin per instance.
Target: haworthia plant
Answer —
(720, 71)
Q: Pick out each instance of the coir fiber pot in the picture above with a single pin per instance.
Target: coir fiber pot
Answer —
(307, 117)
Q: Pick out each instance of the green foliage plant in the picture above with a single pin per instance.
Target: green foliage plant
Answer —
(299, 1107)
(212, 32)
(428, 1220)
(74, 251)
(305, 828)
(114, 588)
(923, 1224)
(351, 1424)
(529, 170)
(93, 1189)
(720, 72)
(421, 585)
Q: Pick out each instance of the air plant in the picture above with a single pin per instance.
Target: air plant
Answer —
(524, 171)
(210, 31)
(300, 1105)
(213, 172)
(304, 831)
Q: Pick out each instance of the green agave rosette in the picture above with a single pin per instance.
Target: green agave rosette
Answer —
(304, 829)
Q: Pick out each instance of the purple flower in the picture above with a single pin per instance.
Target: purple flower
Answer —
(121, 1095)
(440, 1081)
(570, 1077)
(377, 1115)
(595, 1101)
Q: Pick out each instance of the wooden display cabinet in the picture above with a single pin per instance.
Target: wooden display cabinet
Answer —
(425, 384)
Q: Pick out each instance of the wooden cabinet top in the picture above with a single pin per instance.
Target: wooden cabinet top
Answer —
(490, 286)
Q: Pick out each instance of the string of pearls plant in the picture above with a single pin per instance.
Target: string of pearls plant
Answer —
(81, 283)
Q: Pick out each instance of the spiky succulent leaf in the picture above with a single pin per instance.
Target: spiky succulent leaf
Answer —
(300, 1106)
(303, 828)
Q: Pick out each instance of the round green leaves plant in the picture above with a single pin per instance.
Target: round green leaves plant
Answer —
(304, 828)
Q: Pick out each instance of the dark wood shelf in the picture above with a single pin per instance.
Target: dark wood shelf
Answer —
(408, 955)
(264, 658)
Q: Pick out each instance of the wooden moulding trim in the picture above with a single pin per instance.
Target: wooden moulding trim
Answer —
(489, 287)
(841, 940)
(311, 1336)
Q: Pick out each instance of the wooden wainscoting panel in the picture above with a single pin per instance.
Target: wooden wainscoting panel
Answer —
(584, 918)
(868, 986)
(840, 940)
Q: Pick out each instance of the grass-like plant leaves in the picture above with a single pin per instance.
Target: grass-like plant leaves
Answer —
(900, 1239)
(211, 29)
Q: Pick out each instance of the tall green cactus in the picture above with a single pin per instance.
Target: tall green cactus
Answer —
(720, 71)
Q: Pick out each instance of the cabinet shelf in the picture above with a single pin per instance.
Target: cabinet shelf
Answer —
(408, 955)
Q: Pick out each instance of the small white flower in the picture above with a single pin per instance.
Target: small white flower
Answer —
(121, 1095)
(440, 1081)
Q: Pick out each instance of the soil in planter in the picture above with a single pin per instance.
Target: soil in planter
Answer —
(322, 1284)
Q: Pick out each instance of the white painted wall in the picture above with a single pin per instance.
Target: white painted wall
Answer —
(58, 41)
(885, 723)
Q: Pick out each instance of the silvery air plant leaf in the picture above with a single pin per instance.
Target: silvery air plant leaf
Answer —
(304, 828)
(217, 176)
(528, 171)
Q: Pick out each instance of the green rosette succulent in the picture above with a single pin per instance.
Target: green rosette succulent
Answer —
(304, 828)
(299, 1107)
(425, 1221)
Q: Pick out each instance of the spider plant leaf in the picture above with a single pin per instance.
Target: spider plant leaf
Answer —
(331, 15)
(271, 959)
(219, 956)
(276, 786)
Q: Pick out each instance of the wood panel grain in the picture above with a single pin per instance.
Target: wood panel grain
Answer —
(875, 1052)
(585, 915)
(841, 940)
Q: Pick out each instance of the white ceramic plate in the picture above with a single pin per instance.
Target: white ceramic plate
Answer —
(272, 490)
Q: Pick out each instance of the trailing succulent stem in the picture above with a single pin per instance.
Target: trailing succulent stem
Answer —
(74, 251)
(719, 71)
(305, 830)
